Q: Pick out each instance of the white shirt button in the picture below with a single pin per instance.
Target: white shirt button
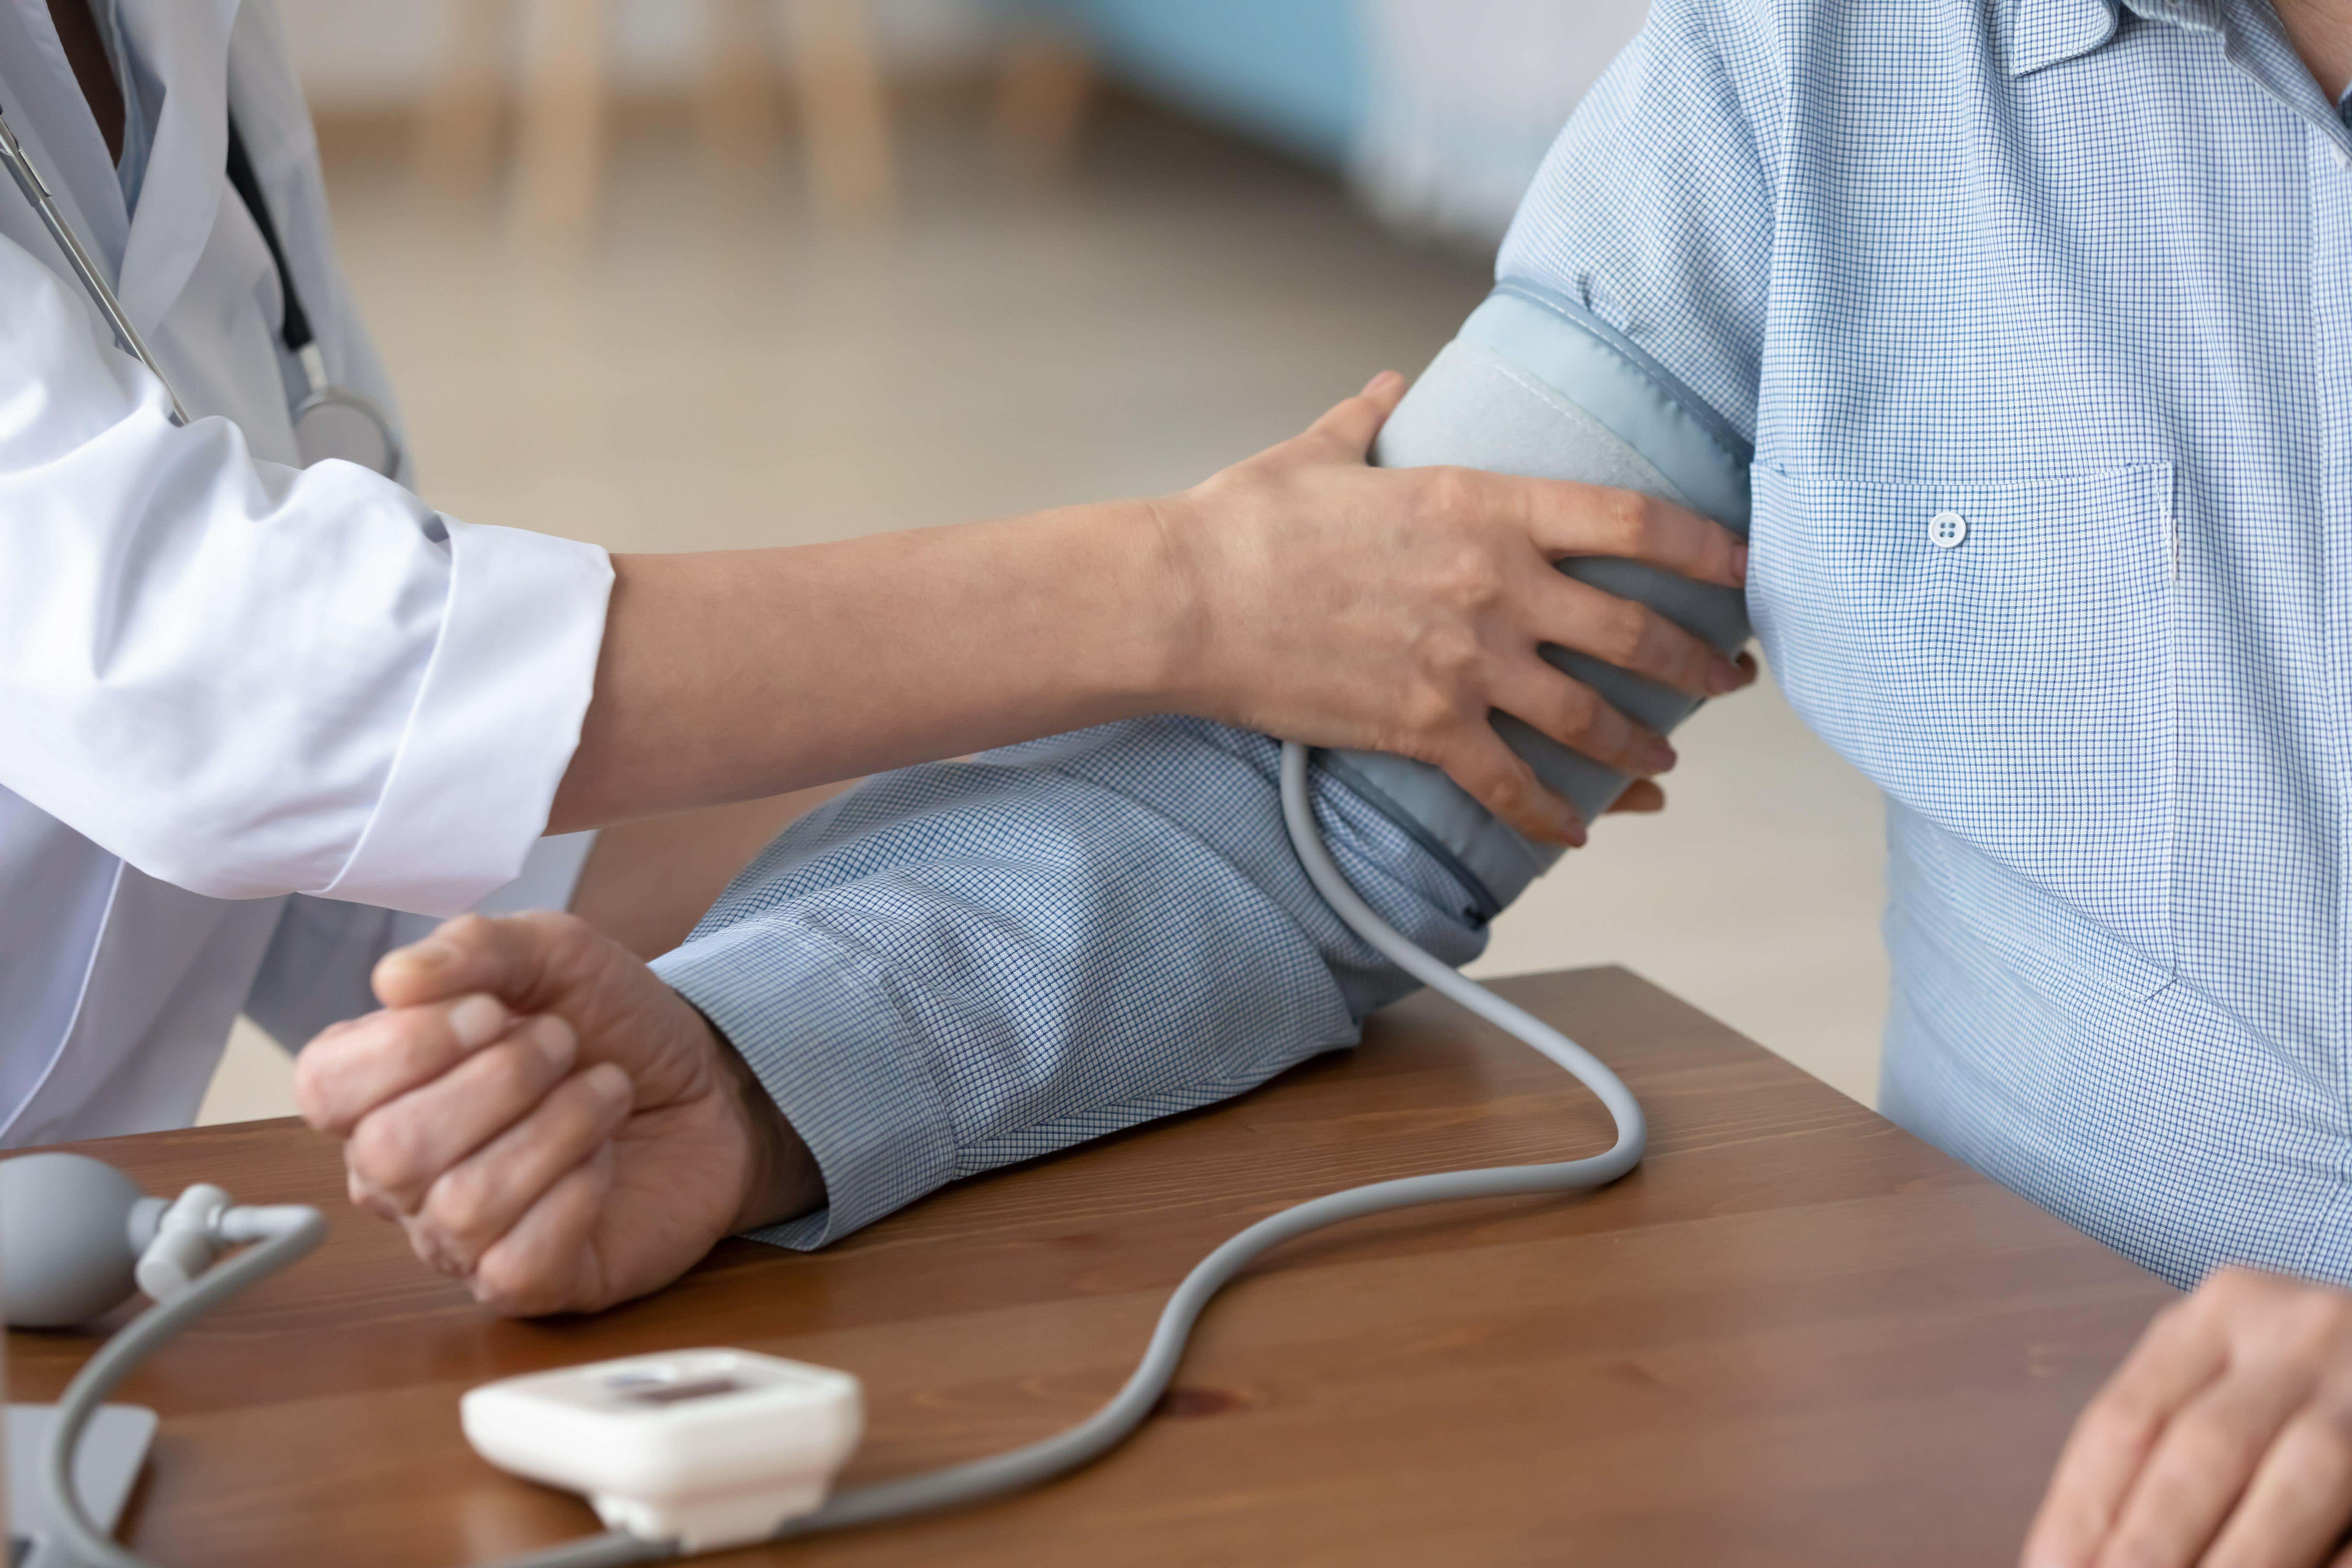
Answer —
(1947, 529)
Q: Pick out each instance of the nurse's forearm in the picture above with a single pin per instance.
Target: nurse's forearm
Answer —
(1301, 594)
(731, 675)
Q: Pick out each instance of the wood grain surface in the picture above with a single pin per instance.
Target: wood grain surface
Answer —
(1796, 1336)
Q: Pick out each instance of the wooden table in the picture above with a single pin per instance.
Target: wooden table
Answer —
(1796, 1336)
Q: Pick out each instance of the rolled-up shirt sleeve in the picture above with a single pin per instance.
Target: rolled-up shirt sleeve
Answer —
(954, 967)
(251, 679)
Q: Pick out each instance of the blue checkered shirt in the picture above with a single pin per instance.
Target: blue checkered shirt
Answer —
(2039, 316)
(953, 967)
(2077, 275)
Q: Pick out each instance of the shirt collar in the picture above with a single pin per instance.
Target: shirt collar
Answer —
(2047, 32)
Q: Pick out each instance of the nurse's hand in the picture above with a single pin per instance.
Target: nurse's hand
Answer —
(1303, 592)
(548, 1120)
(2225, 1441)
(1396, 610)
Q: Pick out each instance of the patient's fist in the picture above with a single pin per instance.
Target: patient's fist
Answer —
(546, 1118)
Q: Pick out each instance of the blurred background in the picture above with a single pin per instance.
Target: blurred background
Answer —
(688, 274)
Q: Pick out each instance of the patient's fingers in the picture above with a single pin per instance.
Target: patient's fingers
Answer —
(545, 1263)
(1568, 518)
(516, 957)
(400, 1149)
(353, 1068)
(476, 1201)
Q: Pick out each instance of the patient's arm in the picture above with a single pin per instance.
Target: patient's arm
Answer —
(955, 966)
(945, 970)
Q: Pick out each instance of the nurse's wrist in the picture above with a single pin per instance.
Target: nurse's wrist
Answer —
(1126, 580)
(1200, 567)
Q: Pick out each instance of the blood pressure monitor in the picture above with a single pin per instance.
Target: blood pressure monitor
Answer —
(705, 1448)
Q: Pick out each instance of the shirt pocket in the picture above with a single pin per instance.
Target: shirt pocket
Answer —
(1998, 657)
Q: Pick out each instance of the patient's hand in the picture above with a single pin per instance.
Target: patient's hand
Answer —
(2223, 1441)
(546, 1118)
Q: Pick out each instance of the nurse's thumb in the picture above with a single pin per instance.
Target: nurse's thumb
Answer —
(1352, 425)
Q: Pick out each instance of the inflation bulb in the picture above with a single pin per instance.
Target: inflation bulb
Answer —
(71, 1232)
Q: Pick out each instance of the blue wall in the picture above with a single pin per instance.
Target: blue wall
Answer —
(1292, 71)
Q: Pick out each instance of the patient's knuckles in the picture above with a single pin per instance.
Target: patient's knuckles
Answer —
(314, 1095)
(2322, 1440)
(407, 1045)
(557, 935)
(324, 1072)
(2312, 1329)
(514, 1284)
(461, 1211)
(516, 1073)
(2177, 1322)
(466, 933)
(2214, 1440)
(509, 1073)
(364, 1196)
(2116, 1423)
(388, 1151)
(2268, 1316)
(535, 1278)
(2231, 1290)
(432, 1249)
(338, 1081)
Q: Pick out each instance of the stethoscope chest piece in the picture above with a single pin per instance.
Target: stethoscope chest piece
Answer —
(334, 423)
(330, 422)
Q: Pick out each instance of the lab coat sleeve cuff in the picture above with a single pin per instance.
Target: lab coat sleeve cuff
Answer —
(494, 725)
(839, 1057)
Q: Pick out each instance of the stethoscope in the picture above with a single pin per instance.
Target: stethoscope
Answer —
(329, 421)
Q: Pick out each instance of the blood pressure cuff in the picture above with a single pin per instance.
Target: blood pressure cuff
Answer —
(1536, 385)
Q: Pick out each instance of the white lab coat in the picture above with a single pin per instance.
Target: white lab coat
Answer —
(225, 681)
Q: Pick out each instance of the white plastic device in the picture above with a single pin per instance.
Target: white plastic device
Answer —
(705, 1448)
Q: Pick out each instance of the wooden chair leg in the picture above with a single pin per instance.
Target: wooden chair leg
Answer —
(560, 157)
(1042, 91)
(736, 108)
(844, 108)
(455, 149)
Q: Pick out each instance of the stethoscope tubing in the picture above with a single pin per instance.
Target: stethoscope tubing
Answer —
(323, 394)
(93, 282)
